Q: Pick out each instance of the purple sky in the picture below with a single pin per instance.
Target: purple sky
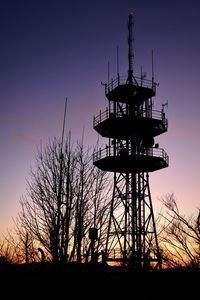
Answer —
(55, 49)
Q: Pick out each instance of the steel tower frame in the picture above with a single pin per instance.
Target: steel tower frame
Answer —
(131, 124)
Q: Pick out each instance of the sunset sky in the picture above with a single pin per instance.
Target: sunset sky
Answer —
(53, 49)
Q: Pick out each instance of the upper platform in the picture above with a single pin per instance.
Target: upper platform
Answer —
(120, 90)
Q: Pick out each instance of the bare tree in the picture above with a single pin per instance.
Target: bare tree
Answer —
(179, 235)
(7, 253)
(26, 244)
(66, 195)
(10, 248)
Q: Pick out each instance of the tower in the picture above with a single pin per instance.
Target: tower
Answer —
(130, 125)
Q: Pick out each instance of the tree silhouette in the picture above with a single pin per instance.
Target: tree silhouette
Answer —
(66, 196)
(179, 235)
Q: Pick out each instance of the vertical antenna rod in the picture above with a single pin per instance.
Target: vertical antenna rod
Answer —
(59, 202)
(118, 65)
(130, 49)
(63, 129)
(152, 66)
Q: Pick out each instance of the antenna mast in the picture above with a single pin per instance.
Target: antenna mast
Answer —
(130, 49)
(118, 65)
(63, 129)
(59, 199)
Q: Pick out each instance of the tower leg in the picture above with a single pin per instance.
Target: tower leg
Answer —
(132, 238)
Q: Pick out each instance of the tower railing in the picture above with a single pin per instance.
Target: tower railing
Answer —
(144, 113)
(111, 151)
(138, 81)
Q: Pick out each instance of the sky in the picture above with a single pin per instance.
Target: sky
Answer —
(53, 49)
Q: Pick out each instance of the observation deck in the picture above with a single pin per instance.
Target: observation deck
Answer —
(120, 90)
(144, 160)
(121, 125)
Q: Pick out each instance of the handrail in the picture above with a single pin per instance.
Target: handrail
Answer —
(120, 80)
(110, 151)
(153, 114)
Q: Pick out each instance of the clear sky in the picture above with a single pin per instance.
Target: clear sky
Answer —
(53, 49)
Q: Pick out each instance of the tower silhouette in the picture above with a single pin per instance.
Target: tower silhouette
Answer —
(130, 124)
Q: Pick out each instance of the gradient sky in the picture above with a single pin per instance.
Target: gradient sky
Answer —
(53, 49)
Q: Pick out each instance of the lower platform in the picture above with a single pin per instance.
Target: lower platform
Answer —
(154, 160)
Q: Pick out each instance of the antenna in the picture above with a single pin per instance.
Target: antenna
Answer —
(152, 67)
(130, 49)
(60, 178)
(63, 129)
(118, 64)
(108, 73)
(143, 75)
